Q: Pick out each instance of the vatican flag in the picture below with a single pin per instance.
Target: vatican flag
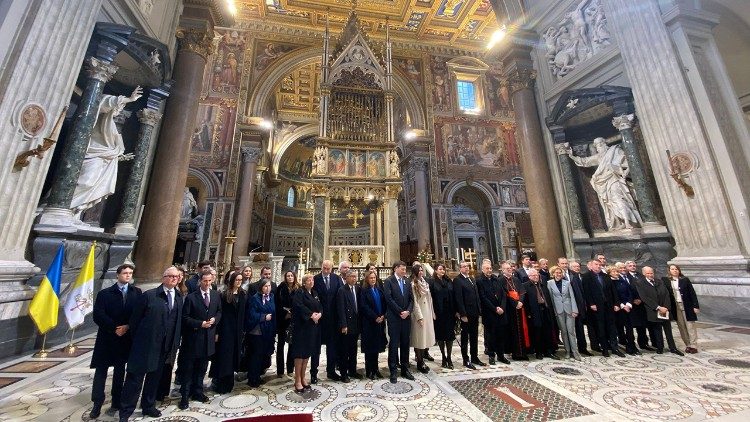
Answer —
(46, 302)
(80, 299)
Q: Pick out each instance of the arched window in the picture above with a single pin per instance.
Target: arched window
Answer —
(291, 197)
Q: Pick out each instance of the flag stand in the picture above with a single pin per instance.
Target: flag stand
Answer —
(71, 348)
(42, 353)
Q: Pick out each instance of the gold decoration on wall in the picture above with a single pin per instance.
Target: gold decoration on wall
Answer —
(198, 41)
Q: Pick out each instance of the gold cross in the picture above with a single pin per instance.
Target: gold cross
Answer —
(470, 256)
(355, 215)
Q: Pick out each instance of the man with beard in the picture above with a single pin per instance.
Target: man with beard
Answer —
(518, 333)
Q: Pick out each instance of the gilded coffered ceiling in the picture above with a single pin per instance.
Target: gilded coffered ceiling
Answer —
(463, 24)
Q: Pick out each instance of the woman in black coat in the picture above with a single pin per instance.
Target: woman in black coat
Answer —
(230, 332)
(306, 313)
(445, 311)
(372, 314)
(284, 294)
(685, 307)
(261, 327)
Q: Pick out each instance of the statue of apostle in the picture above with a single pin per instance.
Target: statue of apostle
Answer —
(610, 184)
(105, 150)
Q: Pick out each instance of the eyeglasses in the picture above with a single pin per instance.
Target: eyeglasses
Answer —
(171, 276)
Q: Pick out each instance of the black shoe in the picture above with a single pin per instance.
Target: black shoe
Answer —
(306, 387)
(523, 357)
(356, 375)
(184, 404)
(345, 379)
(585, 353)
(299, 391)
(605, 353)
(444, 364)
(423, 368)
(450, 364)
(539, 356)
(378, 374)
(659, 351)
(393, 379)
(478, 362)
(201, 398)
(334, 377)
(112, 410)
(95, 411)
(313, 379)
(647, 347)
(371, 376)
(677, 352)
(428, 357)
(552, 356)
(596, 349)
(253, 384)
(619, 353)
(469, 365)
(406, 374)
(492, 360)
(153, 412)
(503, 359)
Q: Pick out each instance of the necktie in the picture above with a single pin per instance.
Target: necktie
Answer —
(265, 299)
(401, 285)
(354, 295)
(328, 285)
(170, 301)
(124, 294)
(205, 299)
(599, 279)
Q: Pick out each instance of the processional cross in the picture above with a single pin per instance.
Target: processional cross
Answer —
(470, 256)
(355, 215)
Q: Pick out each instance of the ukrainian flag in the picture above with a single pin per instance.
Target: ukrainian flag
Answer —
(46, 302)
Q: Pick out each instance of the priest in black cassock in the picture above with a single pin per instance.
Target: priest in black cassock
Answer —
(518, 332)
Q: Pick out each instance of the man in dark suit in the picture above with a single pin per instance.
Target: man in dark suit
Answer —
(204, 267)
(399, 303)
(543, 270)
(538, 303)
(265, 274)
(112, 310)
(348, 326)
(483, 282)
(638, 314)
(599, 294)
(521, 272)
(327, 284)
(200, 316)
(467, 305)
(655, 296)
(494, 301)
(155, 325)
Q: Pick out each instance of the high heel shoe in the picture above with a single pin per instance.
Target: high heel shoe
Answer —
(299, 391)
(306, 387)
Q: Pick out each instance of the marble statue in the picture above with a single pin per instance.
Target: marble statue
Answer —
(98, 175)
(189, 206)
(394, 164)
(609, 182)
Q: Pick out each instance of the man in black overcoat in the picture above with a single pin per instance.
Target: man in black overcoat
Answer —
(494, 301)
(348, 325)
(112, 310)
(155, 325)
(400, 304)
(538, 303)
(467, 306)
(638, 314)
(327, 284)
(656, 300)
(200, 316)
(599, 294)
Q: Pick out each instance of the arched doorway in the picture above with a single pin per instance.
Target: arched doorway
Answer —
(471, 221)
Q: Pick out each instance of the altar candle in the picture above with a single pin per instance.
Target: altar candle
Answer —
(458, 256)
(463, 257)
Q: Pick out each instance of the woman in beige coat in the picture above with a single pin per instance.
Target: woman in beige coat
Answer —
(423, 317)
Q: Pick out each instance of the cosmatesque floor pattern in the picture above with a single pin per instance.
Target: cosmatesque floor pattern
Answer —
(713, 384)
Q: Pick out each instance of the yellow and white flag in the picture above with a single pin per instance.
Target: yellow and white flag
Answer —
(80, 299)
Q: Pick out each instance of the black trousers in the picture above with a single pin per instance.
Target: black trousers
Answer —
(371, 362)
(495, 337)
(143, 384)
(100, 379)
(489, 350)
(470, 338)
(657, 339)
(542, 336)
(642, 337)
(581, 334)
(280, 356)
(625, 331)
(331, 358)
(165, 383)
(399, 333)
(347, 351)
(606, 331)
(193, 372)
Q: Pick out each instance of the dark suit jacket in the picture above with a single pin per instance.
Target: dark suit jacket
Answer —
(687, 293)
(532, 304)
(467, 297)
(198, 342)
(492, 294)
(595, 294)
(577, 284)
(653, 296)
(348, 315)
(521, 275)
(109, 313)
(328, 302)
(148, 325)
(395, 301)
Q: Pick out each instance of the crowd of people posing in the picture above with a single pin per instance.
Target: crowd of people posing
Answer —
(236, 327)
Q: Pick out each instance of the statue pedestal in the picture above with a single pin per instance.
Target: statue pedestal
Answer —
(646, 249)
(258, 260)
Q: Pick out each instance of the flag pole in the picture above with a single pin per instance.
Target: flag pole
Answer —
(71, 348)
(42, 353)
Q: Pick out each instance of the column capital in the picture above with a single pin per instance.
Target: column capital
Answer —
(623, 122)
(196, 40)
(419, 162)
(251, 153)
(562, 148)
(99, 69)
(149, 116)
(521, 78)
(392, 191)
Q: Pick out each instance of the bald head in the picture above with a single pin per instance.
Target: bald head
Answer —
(648, 272)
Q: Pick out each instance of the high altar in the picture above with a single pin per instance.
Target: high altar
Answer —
(355, 161)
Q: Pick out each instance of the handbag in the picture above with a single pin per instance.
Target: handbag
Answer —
(288, 333)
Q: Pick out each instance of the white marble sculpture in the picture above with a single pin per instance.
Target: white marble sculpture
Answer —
(394, 164)
(609, 182)
(188, 206)
(98, 175)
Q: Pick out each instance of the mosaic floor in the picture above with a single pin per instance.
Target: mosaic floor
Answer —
(714, 384)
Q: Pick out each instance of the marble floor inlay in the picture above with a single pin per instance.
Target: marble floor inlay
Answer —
(711, 384)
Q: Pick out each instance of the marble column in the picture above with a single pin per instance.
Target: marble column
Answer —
(160, 222)
(319, 236)
(250, 156)
(686, 104)
(571, 194)
(637, 172)
(149, 119)
(536, 170)
(390, 226)
(422, 201)
(379, 225)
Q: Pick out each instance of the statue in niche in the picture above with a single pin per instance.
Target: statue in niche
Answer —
(394, 164)
(189, 206)
(609, 182)
(98, 175)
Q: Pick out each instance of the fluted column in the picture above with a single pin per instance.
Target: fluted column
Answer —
(250, 156)
(571, 194)
(149, 119)
(98, 69)
(624, 124)
(158, 229)
(422, 201)
(536, 170)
